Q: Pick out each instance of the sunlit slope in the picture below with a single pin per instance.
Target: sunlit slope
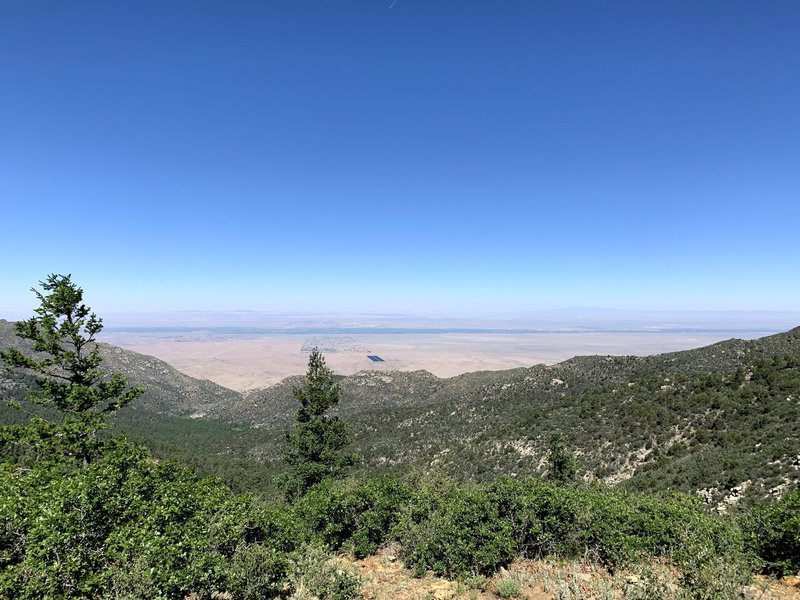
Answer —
(723, 419)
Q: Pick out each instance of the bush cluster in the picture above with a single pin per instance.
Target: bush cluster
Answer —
(355, 515)
(772, 533)
(127, 525)
(138, 528)
(457, 529)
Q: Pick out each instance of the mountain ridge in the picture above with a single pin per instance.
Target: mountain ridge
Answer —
(172, 392)
(166, 390)
(720, 419)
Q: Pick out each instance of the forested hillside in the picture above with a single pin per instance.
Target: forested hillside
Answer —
(720, 421)
(485, 472)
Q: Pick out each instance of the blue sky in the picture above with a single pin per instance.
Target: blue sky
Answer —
(469, 157)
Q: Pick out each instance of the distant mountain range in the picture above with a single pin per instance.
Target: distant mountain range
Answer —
(722, 420)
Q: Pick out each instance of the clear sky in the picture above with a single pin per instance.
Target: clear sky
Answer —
(435, 156)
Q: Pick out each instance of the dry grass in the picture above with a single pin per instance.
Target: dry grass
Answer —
(386, 578)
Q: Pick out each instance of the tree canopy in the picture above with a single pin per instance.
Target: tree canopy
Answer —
(316, 440)
(66, 360)
(562, 462)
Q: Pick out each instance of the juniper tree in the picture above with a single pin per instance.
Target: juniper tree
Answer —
(316, 440)
(66, 361)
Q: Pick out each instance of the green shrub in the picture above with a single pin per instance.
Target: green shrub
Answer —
(183, 528)
(508, 587)
(543, 516)
(772, 533)
(257, 571)
(131, 581)
(120, 523)
(568, 521)
(713, 577)
(359, 515)
(315, 573)
(463, 535)
(278, 526)
(608, 525)
(474, 581)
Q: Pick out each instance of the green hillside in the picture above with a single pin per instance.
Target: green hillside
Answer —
(87, 514)
(722, 420)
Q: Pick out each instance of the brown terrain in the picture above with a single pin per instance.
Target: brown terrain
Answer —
(248, 362)
(385, 578)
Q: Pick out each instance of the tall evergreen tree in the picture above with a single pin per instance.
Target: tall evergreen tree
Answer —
(316, 440)
(67, 361)
(562, 462)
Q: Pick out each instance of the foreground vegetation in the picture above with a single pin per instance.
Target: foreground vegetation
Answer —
(127, 526)
(88, 514)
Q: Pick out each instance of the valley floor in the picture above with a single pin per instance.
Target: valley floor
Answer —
(245, 362)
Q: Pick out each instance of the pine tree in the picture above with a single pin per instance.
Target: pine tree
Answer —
(67, 362)
(563, 465)
(316, 440)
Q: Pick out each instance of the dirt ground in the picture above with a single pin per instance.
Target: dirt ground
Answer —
(385, 578)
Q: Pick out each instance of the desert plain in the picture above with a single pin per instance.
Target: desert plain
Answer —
(251, 361)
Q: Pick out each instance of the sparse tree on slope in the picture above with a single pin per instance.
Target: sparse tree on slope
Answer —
(563, 466)
(316, 440)
(67, 362)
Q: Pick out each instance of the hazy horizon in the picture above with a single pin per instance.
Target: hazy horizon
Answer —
(563, 320)
(551, 320)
